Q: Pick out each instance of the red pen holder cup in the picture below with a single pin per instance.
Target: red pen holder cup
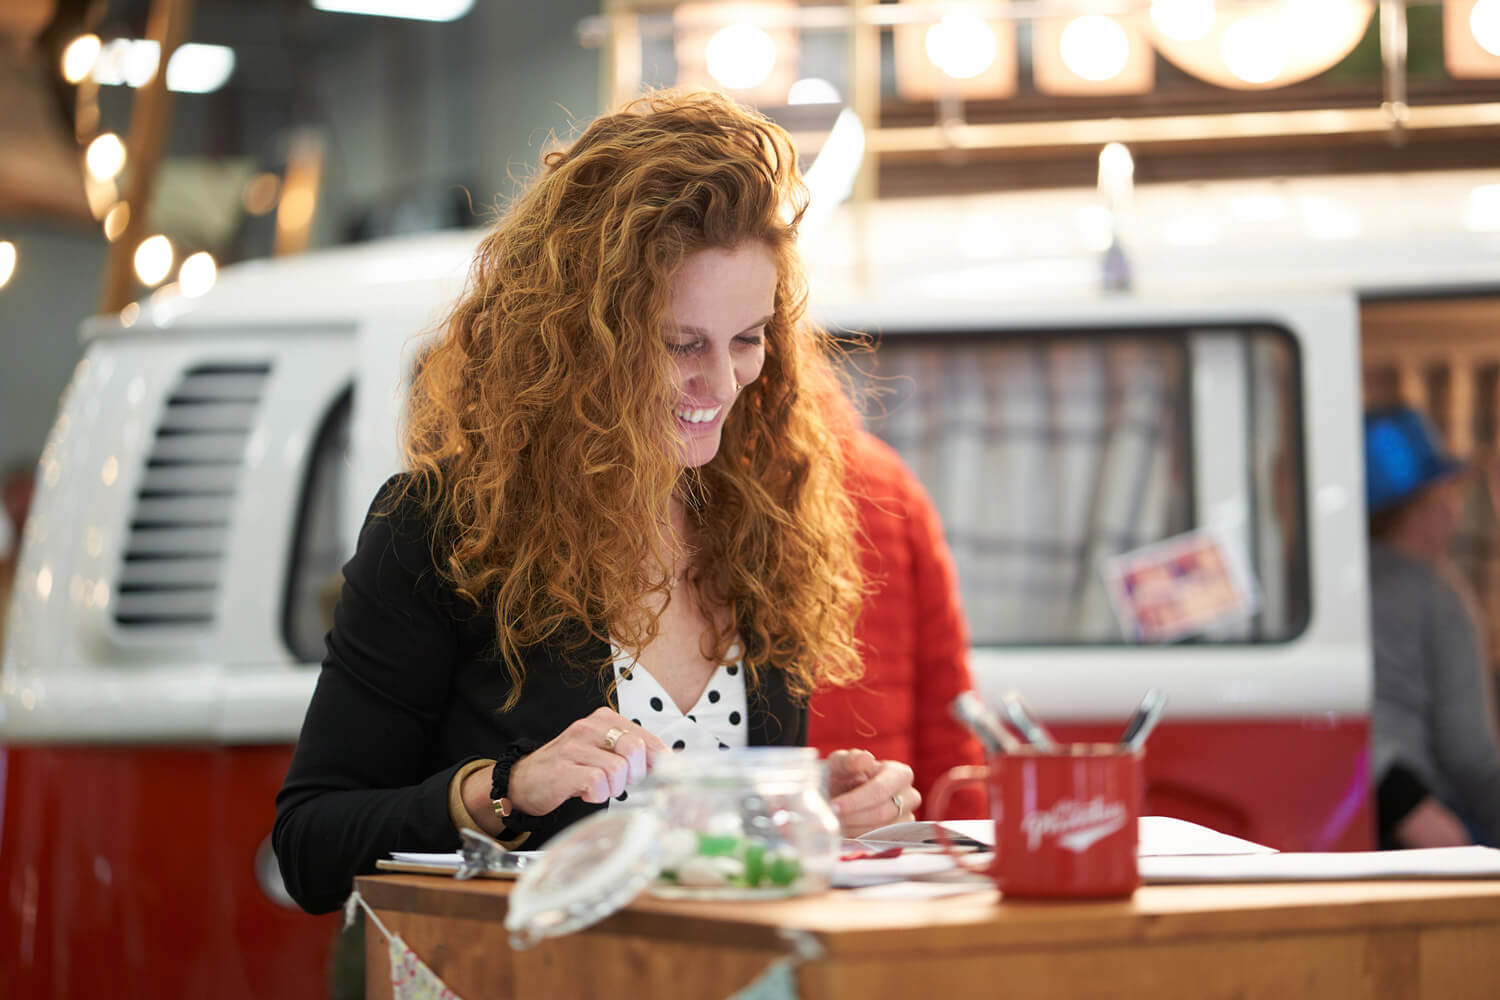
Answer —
(1065, 821)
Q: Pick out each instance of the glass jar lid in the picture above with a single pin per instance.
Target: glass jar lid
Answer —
(586, 873)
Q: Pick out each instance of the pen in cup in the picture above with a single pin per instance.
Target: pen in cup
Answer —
(1147, 715)
(1026, 721)
(971, 712)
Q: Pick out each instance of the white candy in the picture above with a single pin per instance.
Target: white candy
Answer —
(677, 846)
(704, 873)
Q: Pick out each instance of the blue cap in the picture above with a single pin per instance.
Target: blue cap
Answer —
(1402, 456)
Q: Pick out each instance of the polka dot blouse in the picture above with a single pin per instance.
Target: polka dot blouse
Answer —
(716, 721)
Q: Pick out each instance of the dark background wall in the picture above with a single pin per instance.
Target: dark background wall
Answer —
(418, 122)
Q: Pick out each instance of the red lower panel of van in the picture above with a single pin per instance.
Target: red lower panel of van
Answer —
(130, 872)
(1292, 784)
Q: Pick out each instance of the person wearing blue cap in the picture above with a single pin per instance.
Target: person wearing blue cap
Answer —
(1435, 756)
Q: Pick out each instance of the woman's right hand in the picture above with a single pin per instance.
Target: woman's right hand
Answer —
(580, 763)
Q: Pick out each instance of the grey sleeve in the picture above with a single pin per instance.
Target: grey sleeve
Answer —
(1462, 728)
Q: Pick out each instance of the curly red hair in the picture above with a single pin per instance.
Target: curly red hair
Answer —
(541, 420)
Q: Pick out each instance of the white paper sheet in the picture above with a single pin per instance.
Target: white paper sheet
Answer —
(1436, 862)
(1156, 835)
(421, 858)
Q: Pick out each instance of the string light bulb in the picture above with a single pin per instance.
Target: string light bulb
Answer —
(961, 45)
(1484, 22)
(1094, 47)
(105, 157)
(197, 274)
(1183, 20)
(79, 57)
(8, 257)
(153, 260)
(116, 219)
(740, 56)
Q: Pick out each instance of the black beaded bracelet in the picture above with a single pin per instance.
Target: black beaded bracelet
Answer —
(515, 820)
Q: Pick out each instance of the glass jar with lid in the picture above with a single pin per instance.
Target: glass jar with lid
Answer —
(751, 823)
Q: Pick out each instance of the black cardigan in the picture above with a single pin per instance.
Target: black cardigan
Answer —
(409, 692)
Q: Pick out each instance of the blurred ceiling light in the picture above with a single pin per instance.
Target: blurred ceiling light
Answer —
(199, 69)
(1183, 20)
(193, 69)
(1481, 210)
(153, 260)
(962, 55)
(961, 45)
(1484, 22)
(740, 56)
(1094, 47)
(105, 157)
(751, 49)
(415, 10)
(261, 193)
(1471, 38)
(79, 57)
(115, 220)
(1267, 43)
(197, 274)
(1253, 49)
(7, 261)
(129, 62)
(1092, 55)
(130, 314)
(813, 90)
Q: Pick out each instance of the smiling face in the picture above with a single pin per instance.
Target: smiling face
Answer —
(721, 301)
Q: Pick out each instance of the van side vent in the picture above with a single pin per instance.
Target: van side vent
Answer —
(179, 532)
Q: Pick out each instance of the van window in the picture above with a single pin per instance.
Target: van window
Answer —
(315, 570)
(1049, 453)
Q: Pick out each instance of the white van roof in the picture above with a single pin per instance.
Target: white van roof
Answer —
(1375, 234)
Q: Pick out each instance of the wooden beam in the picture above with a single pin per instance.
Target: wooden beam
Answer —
(150, 122)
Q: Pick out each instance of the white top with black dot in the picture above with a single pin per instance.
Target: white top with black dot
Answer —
(717, 720)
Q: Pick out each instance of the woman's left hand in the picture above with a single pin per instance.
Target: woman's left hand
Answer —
(868, 793)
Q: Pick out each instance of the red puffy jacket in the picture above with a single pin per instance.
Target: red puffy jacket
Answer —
(911, 629)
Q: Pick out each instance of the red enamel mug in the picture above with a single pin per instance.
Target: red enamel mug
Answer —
(1065, 819)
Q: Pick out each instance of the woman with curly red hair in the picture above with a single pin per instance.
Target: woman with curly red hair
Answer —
(622, 530)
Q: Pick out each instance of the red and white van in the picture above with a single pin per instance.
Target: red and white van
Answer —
(213, 457)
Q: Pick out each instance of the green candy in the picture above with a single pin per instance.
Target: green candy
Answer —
(783, 870)
(710, 846)
(755, 863)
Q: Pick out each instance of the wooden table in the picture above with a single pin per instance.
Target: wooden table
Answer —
(1324, 940)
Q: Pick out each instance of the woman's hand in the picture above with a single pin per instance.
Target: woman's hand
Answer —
(594, 759)
(868, 793)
